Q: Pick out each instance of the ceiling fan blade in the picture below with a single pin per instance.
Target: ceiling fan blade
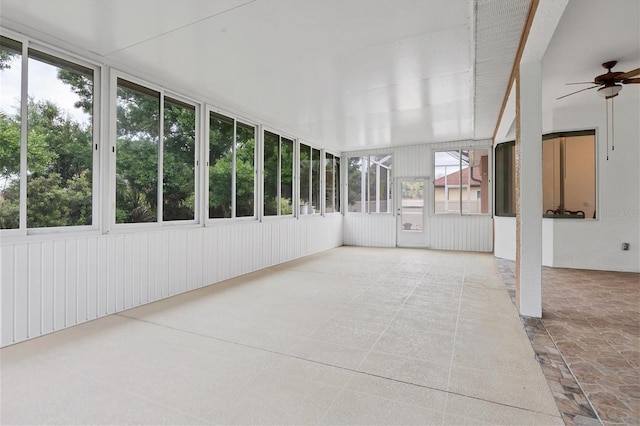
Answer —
(631, 81)
(578, 91)
(581, 82)
(629, 74)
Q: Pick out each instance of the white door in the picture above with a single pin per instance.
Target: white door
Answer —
(411, 212)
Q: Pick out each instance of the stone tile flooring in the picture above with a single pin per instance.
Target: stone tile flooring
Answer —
(588, 342)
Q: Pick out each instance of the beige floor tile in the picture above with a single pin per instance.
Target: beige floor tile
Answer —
(349, 336)
(463, 410)
(406, 370)
(328, 353)
(354, 408)
(530, 393)
(275, 398)
(420, 396)
(416, 344)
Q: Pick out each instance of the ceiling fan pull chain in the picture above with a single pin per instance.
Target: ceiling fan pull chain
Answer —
(613, 127)
(606, 103)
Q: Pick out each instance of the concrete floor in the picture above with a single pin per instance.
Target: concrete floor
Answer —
(347, 336)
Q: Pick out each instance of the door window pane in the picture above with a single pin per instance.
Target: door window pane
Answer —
(10, 97)
(357, 181)
(330, 184)
(220, 165)
(315, 181)
(137, 128)
(179, 155)
(271, 172)
(412, 205)
(286, 177)
(305, 175)
(59, 142)
(245, 170)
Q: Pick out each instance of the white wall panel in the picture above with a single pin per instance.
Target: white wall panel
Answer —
(48, 288)
(21, 289)
(466, 233)
(35, 289)
(372, 230)
(412, 161)
(7, 294)
(50, 284)
(92, 278)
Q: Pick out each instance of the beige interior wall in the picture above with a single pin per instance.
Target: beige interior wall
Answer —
(580, 181)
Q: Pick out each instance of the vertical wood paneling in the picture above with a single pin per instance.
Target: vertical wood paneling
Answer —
(164, 265)
(60, 285)
(154, 268)
(7, 295)
(120, 257)
(35, 289)
(467, 233)
(71, 278)
(103, 276)
(81, 296)
(48, 286)
(52, 284)
(112, 274)
(136, 265)
(144, 268)
(92, 278)
(21, 292)
(127, 271)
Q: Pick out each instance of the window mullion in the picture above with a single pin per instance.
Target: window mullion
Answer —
(24, 99)
(279, 177)
(233, 169)
(161, 141)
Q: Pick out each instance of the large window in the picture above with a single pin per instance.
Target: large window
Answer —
(139, 126)
(278, 175)
(369, 184)
(231, 168)
(461, 181)
(60, 154)
(505, 193)
(569, 174)
(309, 180)
(332, 191)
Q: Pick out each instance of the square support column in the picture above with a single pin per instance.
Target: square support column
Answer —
(529, 189)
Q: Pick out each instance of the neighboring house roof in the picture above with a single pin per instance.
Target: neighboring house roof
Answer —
(454, 178)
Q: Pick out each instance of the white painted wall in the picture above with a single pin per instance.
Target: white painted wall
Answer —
(596, 244)
(505, 237)
(51, 283)
(588, 243)
(443, 232)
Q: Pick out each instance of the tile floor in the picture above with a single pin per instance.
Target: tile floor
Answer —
(347, 336)
(588, 342)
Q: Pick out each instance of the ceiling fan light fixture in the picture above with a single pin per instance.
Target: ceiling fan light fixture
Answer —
(609, 91)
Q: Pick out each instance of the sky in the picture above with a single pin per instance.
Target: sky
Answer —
(43, 84)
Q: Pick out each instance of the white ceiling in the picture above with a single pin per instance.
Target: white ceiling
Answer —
(590, 33)
(349, 74)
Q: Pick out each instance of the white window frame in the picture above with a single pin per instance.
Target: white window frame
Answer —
(256, 130)
(489, 194)
(159, 222)
(98, 71)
